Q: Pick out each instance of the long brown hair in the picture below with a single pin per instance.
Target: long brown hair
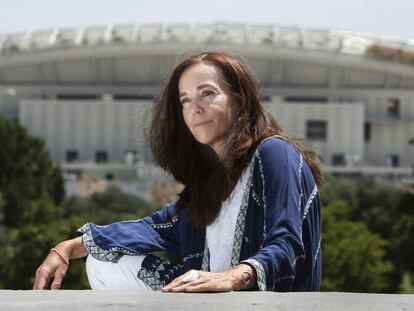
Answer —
(208, 180)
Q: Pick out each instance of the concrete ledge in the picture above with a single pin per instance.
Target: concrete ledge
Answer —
(71, 300)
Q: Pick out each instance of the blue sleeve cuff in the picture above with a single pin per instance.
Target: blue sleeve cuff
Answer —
(260, 273)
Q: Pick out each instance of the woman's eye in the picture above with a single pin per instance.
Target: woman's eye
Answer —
(207, 93)
(185, 100)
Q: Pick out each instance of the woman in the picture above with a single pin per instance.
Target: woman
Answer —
(249, 215)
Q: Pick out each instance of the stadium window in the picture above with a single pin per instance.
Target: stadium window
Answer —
(393, 108)
(77, 96)
(306, 99)
(367, 132)
(101, 156)
(125, 97)
(392, 160)
(109, 176)
(133, 97)
(266, 98)
(338, 159)
(145, 96)
(316, 130)
(72, 156)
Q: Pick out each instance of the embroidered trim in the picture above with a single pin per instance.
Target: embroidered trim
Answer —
(134, 220)
(191, 256)
(311, 197)
(152, 275)
(257, 154)
(205, 265)
(255, 197)
(263, 193)
(300, 182)
(150, 279)
(165, 225)
(112, 255)
(296, 259)
(317, 253)
(260, 273)
(241, 219)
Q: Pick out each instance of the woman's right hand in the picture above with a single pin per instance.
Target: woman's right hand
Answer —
(54, 267)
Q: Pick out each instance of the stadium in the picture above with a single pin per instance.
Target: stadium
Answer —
(88, 91)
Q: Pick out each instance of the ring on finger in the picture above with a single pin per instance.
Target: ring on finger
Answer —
(192, 276)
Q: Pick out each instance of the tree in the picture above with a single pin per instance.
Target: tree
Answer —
(402, 242)
(371, 201)
(385, 210)
(31, 191)
(353, 256)
(25, 247)
(109, 206)
(26, 172)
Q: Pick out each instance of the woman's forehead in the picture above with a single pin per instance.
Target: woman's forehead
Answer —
(199, 74)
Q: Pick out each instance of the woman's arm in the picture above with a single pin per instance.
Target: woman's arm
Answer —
(55, 264)
(282, 252)
(158, 232)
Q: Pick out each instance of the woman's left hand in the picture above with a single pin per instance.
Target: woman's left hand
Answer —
(206, 282)
(225, 281)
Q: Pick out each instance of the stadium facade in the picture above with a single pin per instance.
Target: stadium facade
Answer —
(88, 91)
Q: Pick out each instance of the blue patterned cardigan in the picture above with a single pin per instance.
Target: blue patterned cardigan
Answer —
(278, 229)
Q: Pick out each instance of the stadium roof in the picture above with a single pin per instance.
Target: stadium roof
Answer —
(236, 34)
(142, 53)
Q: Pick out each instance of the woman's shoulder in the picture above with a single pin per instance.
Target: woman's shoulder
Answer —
(275, 145)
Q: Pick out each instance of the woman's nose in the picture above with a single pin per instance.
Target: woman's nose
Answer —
(198, 108)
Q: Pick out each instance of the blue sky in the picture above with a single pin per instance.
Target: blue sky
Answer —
(389, 18)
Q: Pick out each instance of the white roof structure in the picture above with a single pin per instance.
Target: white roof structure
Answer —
(26, 57)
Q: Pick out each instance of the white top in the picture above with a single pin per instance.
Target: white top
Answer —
(220, 234)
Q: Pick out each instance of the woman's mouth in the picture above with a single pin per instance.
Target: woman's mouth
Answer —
(201, 123)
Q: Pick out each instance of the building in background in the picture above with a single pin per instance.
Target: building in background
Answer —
(88, 91)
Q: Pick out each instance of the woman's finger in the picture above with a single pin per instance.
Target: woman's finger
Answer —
(59, 274)
(172, 284)
(203, 287)
(178, 281)
(42, 278)
(183, 286)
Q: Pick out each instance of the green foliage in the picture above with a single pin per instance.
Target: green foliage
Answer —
(107, 207)
(31, 191)
(25, 247)
(2, 203)
(353, 257)
(371, 201)
(402, 241)
(407, 286)
(26, 172)
(386, 211)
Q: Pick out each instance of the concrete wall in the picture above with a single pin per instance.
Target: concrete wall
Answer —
(87, 126)
(116, 126)
(240, 301)
(345, 126)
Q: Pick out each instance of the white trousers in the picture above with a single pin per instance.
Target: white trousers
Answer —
(119, 276)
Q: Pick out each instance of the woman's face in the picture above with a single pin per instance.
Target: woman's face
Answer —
(206, 105)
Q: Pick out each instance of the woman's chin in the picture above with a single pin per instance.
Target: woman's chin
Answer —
(203, 141)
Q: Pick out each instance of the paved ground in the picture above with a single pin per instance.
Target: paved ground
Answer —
(94, 300)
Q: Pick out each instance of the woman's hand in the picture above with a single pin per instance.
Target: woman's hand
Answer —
(225, 281)
(54, 267)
